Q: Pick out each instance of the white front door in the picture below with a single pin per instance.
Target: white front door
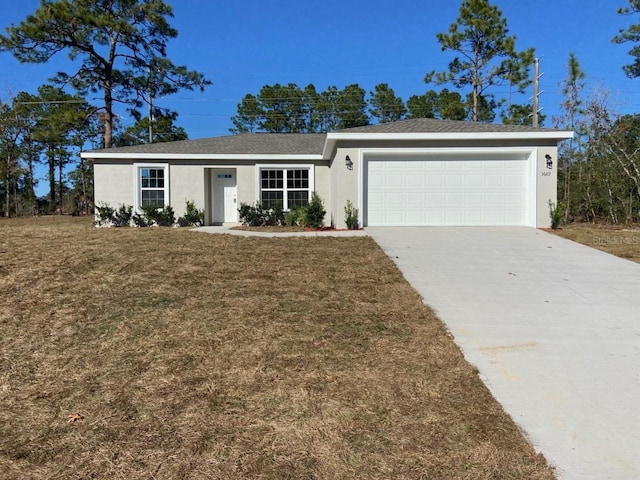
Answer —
(225, 202)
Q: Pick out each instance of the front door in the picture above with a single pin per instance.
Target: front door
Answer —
(225, 209)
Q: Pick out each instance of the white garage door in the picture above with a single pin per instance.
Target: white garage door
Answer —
(471, 190)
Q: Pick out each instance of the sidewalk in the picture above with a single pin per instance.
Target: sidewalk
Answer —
(247, 233)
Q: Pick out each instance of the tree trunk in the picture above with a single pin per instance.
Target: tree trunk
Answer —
(7, 196)
(85, 201)
(52, 175)
(60, 193)
(108, 100)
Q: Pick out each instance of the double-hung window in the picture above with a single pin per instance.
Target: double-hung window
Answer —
(291, 186)
(152, 186)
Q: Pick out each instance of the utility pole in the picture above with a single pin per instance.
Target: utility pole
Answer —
(536, 91)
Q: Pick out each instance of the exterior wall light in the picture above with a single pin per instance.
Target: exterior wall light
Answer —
(348, 162)
(549, 161)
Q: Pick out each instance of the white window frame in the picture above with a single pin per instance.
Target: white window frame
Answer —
(137, 182)
(284, 167)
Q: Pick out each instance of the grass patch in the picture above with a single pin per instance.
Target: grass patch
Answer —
(212, 356)
(621, 241)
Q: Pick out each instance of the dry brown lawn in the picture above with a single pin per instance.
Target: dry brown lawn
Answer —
(200, 356)
(618, 240)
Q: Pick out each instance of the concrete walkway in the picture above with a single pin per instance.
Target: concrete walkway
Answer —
(553, 327)
(247, 233)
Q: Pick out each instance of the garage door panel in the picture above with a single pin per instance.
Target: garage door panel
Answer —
(394, 180)
(494, 181)
(474, 181)
(455, 200)
(433, 180)
(460, 191)
(474, 198)
(494, 199)
(415, 199)
(415, 181)
(454, 180)
(514, 181)
(434, 199)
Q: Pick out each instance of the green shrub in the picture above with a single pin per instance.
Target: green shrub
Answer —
(104, 215)
(251, 215)
(294, 217)
(122, 217)
(163, 218)
(192, 215)
(275, 216)
(138, 220)
(556, 213)
(310, 215)
(259, 216)
(314, 212)
(351, 216)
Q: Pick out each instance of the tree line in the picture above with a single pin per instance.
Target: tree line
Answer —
(51, 128)
(121, 49)
(291, 109)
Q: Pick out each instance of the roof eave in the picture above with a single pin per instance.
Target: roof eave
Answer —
(198, 156)
(334, 137)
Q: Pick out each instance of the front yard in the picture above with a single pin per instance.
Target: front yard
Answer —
(616, 240)
(189, 355)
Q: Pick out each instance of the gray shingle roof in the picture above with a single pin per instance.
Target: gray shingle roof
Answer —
(310, 143)
(245, 143)
(432, 125)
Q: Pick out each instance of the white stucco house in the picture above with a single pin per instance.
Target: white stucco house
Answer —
(411, 172)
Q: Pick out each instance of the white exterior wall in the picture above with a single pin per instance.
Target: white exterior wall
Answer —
(186, 182)
(246, 175)
(113, 184)
(323, 188)
(546, 185)
(344, 185)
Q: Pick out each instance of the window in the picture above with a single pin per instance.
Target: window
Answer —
(151, 186)
(291, 186)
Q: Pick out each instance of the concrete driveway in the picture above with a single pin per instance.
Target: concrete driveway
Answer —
(553, 327)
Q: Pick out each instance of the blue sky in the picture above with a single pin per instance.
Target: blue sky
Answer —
(242, 45)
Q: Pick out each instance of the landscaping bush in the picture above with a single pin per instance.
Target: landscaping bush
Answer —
(259, 216)
(251, 215)
(556, 213)
(275, 216)
(162, 218)
(294, 217)
(104, 215)
(122, 216)
(351, 216)
(310, 215)
(193, 216)
(314, 212)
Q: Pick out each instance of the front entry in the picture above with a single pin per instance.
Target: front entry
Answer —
(224, 197)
